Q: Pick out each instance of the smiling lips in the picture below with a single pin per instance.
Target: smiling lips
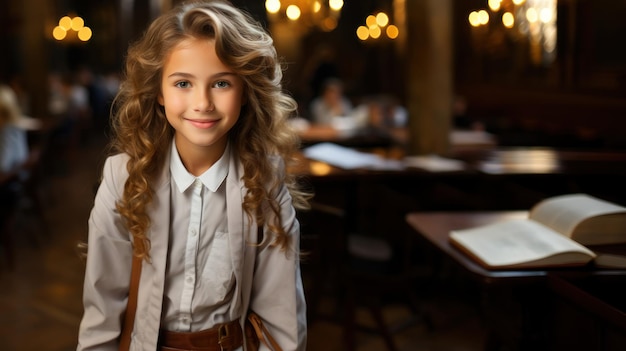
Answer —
(202, 124)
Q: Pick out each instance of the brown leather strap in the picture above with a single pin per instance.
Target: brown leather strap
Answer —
(131, 307)
(262, 333)
(226, 337)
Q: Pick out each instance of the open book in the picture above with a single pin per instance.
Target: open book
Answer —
(565, 230)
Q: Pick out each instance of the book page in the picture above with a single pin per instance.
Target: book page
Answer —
(563, 213)
(514, 242)
(348, 158)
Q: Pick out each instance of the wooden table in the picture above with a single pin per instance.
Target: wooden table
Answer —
(435, 227)
(537, 291)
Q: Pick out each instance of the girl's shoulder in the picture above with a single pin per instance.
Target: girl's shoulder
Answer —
(117, 160)
(115, 167)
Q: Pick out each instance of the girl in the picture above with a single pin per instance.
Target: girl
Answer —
(203, 152)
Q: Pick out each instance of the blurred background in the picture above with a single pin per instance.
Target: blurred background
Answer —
(548, 68)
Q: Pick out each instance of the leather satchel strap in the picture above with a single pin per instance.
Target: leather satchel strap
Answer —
(262, 333)
(131, 307)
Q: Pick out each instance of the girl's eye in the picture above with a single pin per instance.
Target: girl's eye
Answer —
(221, 84)
(182, 84)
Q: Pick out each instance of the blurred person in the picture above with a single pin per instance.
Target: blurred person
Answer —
(13, 138)
(58, 100)
(330, 104)
(13, 152)
(385, 112)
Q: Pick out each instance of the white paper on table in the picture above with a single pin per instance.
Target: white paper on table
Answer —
(347, 158)
(434, 163)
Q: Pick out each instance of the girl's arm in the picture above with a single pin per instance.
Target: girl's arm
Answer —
(277, 291)
(107, 273)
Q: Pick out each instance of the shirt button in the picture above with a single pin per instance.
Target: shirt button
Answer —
(190, 279)
(194, 232)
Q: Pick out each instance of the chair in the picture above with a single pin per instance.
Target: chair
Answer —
(20, 196)
(30, 202)
(8, 200)
(322, 246)
(367, 268)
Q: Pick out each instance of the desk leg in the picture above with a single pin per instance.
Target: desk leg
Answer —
(515, 317)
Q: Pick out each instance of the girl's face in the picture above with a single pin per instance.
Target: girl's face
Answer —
(201, 96)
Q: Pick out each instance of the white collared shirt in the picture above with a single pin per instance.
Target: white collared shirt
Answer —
(200, 278)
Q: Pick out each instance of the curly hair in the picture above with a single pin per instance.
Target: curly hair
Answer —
(142, 131)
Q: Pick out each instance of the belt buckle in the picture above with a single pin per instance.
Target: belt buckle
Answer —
(222, 332)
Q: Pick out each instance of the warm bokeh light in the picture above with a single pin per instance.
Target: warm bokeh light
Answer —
(329, 24)
(376, 26)
(77, 23)
(317, 6)
(508, 20)
(84, 34)
(392, 31)
(65, 22)
(307, 14)
(362, 32)
(319, 168)
(531, 15)
(533, 19)
(382, 19)
(473, 19)
(494, 5)
(335, 5)
(73, 24)
(272, 6)
(293, 12)
(59, 33)
(375, 32)
(483, 17)
(545, 15)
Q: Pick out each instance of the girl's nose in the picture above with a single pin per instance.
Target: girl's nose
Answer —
(203, 102)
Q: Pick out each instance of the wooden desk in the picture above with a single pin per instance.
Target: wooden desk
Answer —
(435, 227)
(544, 160)
(539, 294)
(502, 178)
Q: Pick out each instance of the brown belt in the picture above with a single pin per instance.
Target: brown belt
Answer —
(222, 337)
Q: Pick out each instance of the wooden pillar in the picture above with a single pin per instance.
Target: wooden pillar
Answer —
(430, 77)
(34, 14)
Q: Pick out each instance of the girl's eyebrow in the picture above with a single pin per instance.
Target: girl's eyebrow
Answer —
(189, 75)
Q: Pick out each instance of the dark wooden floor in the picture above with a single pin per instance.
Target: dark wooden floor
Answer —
(40, 297)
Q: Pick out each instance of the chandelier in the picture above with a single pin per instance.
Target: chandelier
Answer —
(533, 19)
(308, 14)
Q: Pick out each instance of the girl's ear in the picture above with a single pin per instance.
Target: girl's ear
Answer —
(160, 99)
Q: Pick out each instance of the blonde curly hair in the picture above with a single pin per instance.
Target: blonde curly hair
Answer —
(142, 131)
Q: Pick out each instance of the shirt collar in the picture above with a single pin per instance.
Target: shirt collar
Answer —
(212, 178)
